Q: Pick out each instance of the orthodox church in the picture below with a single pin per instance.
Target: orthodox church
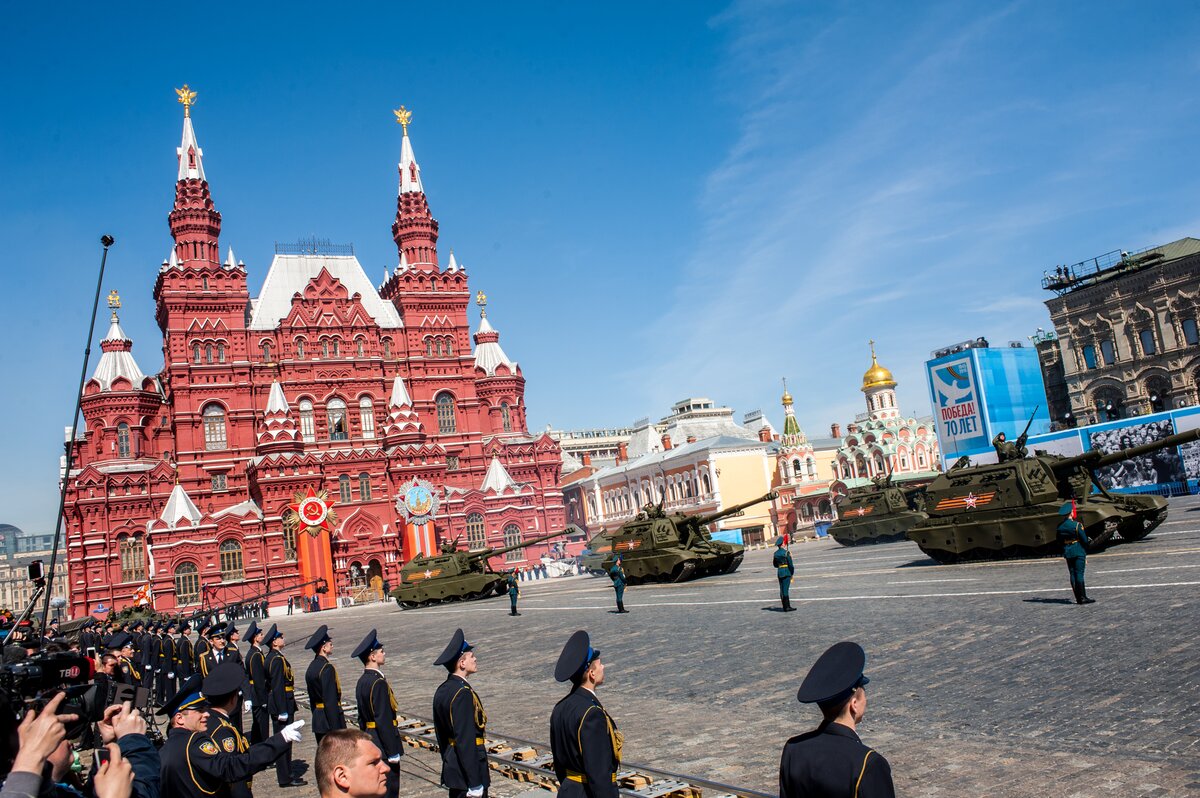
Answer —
(370, 398)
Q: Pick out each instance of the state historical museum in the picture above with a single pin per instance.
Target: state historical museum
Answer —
(182, 480)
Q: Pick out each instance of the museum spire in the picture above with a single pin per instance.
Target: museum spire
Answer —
(195, 221)
(415, 230)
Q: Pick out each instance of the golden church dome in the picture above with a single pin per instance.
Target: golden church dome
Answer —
(877, 376)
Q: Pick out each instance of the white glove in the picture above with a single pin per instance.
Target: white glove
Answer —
(283, 718)
(170, 676)
(394, 759)
(248, 706)
(291, 732)
(475, 792)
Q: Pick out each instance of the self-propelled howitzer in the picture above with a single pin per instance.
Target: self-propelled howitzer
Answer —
(878, 513)
(1010, 509)
(656, 547)
(454, 575)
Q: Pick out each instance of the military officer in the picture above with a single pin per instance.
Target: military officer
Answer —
(324, 688)
(281, 698)
(185, 662)
(122, 645)
(514, 592)
(203, 629)
(784, 569)
(215, 654)
(459, 723)
(232, 638)
(150, 657)
(617, 574)
(583, 736)
(260, 688)
(164, 683)
(377, 708)
(831, 760)
(1075, 545)
(196, 766)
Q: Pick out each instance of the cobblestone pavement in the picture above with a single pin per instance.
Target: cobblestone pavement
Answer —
(985, 679)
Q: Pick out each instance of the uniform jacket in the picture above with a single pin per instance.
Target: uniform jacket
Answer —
(586, 746)
(377, 712)
(209, 660)
(281, 698)
(194, 766)
(231, 741)
(166, 655)
(459, 723)
(324, 695)
(184, 662)
(617, 572)
(513, 591)
(783, 563)
(129, 673)
(150, 646)
(256, 669)
(202, 645)
(831, 762)
(1074, 539)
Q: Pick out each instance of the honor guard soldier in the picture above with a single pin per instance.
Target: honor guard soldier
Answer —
(617, 574)
(122, 645)
(193, 764)
(1075, 545)
(583, 736)
(215, 654)
(232, 639)
(88, 643)
(150, 657)
(324, 688)
(831, 761)
(185, 663)
(202, 643)
(281, 697)
(164, 684)
(260, 688)
(784, 569)
(514, 592)
(377, 708)
(459, 722)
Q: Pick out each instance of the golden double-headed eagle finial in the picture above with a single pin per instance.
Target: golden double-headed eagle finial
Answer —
(114, 299)
(481, 301)
(187, 98)
(403, 118)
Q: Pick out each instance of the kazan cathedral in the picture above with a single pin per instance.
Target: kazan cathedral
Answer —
(325, 384)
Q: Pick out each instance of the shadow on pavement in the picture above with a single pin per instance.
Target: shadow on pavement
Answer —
(1048, 601)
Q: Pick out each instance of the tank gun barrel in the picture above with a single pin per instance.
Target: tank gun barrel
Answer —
(1095, 459)
(488, 553)
(703, 520)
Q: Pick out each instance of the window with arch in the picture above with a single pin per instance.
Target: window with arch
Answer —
(266, 351)
(325, 348)
(797, 469)
(337, 347)
(1146, 337)
(344, 489)
(220, 352)
(308, 428)
(133, 559)
(445, 413)
(123, 447)
(208, 354)
(428, 347)
(706, 482)
(187, 584)
(299, 347)
(387, 347)
(1191, 333)
(214, 428)
(476, 537)
(364, 487)
(231, 561)
(289, 543)
(1107, 353)
(810, 467)
(512, 537)
(506, 416)
(203, 277)
(335, 411)
(196, 353)
(1089, 356)
(360, 347)
(366, 416)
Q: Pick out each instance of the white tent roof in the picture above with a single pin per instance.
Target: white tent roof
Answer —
(289, 274)
(180, 507)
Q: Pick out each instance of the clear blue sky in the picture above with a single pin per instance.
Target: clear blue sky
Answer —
(660, 199)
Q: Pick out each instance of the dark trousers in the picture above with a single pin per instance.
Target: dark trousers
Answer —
(164, 688)
(785, 586)
(393, 782)
(1075, 567)
(620, 589)
(260, 723)
(283, 765)
(513, 600)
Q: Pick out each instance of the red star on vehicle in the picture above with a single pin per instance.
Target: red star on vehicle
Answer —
(862, 511)
(970, 500)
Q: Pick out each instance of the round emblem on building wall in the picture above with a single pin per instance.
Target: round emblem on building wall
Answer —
(418, 501)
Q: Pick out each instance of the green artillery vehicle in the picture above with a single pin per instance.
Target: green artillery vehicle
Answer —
(1010, 509)
(598, 549)
(878, 513)
(454, 575)
(656, 547)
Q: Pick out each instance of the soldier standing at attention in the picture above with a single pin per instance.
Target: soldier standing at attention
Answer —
(281, 699)
(459, 722)
(583, 736)
(831, 761)
(149, 661)
(377, 708)
(202, 643)
(514, 592)
(122, 647)
(1075, 545)
(215, 654)
(324, 688)
(184, 658)
(256, 673)
(164, 684)
(784, 569)
(617, 574)
(231, 653)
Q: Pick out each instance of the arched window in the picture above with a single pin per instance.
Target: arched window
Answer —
(476, 538)
(512, 537)
(796, 469)
(337, 347)
(366, 416)
(289, 543)
(299, 347)
(387, 347)
(344, 489)
(231, 561)
(506, 416)
(266, 351)
(196, 353)
(445, 413)
(221, 352)
(187, 584)
(123, 448)
(214, 427)
(428, 347)
(133, 559)
(1089, 356)
(336, 414)
(706, 482)
(1107, 353)
(325, 348)
(203, 278)
(1147, 339)
(308, 429)
(810, 467)
(208, 357)
(1191, 333)
(359, 347)
(364, 487)
(449, 342)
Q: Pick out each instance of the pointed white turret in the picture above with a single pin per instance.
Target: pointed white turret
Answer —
(117, 358)
(191, 167)
(276, 401)
(230, 261)
(180, 508)
(453, 265)
(402, 419)
(498, 479)
(400, 397)
(488, 353)
(173, 261)
(410, 171)
(403, 267)
(278, 429)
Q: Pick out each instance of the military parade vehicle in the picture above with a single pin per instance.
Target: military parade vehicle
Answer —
(878, 513)
(657, 547)
(597, 551)
(1010, 509)
(454, 575)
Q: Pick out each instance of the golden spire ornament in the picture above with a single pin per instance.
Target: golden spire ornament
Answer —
(403, 118)
(481, 301)
(114, 302)
(187, 98)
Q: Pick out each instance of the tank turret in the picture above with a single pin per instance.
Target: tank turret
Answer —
(878, 513)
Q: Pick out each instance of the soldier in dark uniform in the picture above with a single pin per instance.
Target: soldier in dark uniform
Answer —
(377, 708)
(281, 699)
(1075, 545)
(459, 722)
(215, 654)
(89, 643)
(514, 592)
(194, 765)
(784, 569)
(617, 574)
(127, 671)
(831, 761)
(150, 657)
(583, 736)
(324, 688)
(202, 643)
(256, 673)
(1009, 450)
(185, 662)
(232, 638)
(164, 684)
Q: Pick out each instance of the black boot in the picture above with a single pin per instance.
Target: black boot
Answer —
(621, 607)
(514, 612)
(1084, 596)
(1078, 595)
(788, 605)
(783, 602)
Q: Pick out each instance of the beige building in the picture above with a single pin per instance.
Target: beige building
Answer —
(1127, 331)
